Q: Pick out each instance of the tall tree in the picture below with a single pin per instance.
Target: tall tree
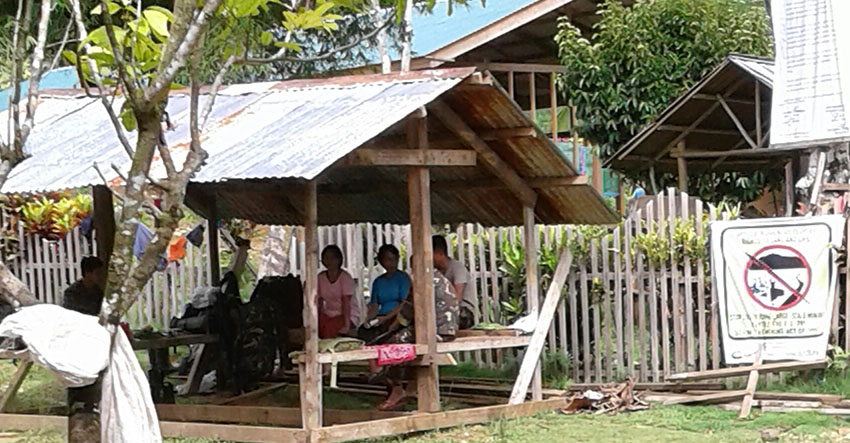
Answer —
(641, 57)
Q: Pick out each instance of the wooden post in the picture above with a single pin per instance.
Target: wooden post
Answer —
(789, 188)
(309, 371)
(104, 222)
(530, 363)
(575, 135)
(532, 97)
(14, 384)
(553, 105)
(621, 190)
(683, 169)
(425, 323)
(758, 113)
(212, 229)
(532, 287)
(752, 381)
(511, 83)
(596, 174)
(814, 199)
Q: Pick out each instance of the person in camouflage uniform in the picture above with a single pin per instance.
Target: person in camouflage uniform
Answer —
(446, 310)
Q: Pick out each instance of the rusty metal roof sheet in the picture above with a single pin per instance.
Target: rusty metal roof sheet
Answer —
(264, 140)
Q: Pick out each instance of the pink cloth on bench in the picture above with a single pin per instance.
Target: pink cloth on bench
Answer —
(393, 354)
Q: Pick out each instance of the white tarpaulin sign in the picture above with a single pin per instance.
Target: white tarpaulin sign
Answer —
(775, 281)
(811, 85)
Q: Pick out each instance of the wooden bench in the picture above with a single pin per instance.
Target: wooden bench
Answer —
(460, 344)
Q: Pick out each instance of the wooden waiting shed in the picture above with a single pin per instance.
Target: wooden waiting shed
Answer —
(425, 148)
(722, 123)
(428, 148)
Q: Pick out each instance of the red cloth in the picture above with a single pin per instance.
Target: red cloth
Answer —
(394, 354)
(177, 248)
(329, 326)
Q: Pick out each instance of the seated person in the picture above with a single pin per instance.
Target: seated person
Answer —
(85, 295)
(446, 310)
(460, 279)
(336, 290)
(390, 289)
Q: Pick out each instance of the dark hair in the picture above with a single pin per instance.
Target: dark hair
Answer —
(333, 249)
(90, 264)
(387, 249)
(438, 243)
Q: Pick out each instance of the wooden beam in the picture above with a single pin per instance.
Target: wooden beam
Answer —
(757, 87)
(503, 133)
(532, 97)
(419, 200)
(532, 288)
(263, 415)
(521, 67)
(752, 380)
(511, 84)
(596, 170)
(789, 188)
(421, 422)
(309, 371)
(212, 245)
(737, 122)
(710, 97)
(679, 128)
(745, 370)
(538, 339)
(487, 155)
(718, 397)
(14, 385)
(682, 165)
(410, 157)
(818, 183)
(575, 137)
(772, 152)
(104, 222)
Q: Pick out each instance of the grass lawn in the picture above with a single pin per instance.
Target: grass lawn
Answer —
(667, 424)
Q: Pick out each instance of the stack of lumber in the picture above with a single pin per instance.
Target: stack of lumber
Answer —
(829, 404)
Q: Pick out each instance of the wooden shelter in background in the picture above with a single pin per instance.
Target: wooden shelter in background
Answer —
(722, 123)
(424, 147)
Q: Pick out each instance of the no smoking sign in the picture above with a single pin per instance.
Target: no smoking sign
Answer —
(777, 277)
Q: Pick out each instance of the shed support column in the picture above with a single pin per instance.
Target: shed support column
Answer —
(532, 286)
(419, 198)
(212, 229)
(789, 188)
(309, 371)
(683, 169)
(104, 223)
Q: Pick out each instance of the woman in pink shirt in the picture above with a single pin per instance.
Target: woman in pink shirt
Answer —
(336, 289)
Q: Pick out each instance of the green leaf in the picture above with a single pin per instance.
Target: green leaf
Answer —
(158, 22)
(128, 119)
(265, 38)
(288, 45)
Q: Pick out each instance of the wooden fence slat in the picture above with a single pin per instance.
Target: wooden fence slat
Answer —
(482, 287)
(618, 302)
(675, 296)
(595, 305)
(574, 308)
(605, 304)
(64, 269)
(654, 299)
(689, 293)
(703, 346)
(715, 336)
(471, 265)
(629, 344)
(585, 321)
(642, 306)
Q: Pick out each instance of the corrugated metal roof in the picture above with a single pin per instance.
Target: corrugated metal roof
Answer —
(715, 131)
(264, 141)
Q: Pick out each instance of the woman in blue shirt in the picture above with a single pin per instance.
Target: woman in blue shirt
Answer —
(391, 288)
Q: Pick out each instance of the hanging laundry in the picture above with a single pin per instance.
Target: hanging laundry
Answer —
(196, 235)
(140, 242)
(86, 226)
(177, 249)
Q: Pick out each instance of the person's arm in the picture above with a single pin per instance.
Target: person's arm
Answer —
(458, 287)
(374, 307)
(346, 314)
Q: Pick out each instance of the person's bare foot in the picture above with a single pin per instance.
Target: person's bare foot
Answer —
(394, 400)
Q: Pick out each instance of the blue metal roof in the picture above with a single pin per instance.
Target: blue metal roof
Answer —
(61, 78)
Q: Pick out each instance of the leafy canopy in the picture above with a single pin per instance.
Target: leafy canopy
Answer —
(643, 56)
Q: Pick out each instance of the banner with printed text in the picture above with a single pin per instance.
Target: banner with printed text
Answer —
(775, 281)
(811, 84)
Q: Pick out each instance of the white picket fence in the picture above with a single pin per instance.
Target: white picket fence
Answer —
(48, 267)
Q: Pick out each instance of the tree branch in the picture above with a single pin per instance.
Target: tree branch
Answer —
(281, 54)
(61, 44)
(36, 71)
(187, 44)
(117, 56)
(22, 26)
(219, 78)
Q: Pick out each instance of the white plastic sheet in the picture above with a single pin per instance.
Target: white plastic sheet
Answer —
(127, 413)
(72, 346)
